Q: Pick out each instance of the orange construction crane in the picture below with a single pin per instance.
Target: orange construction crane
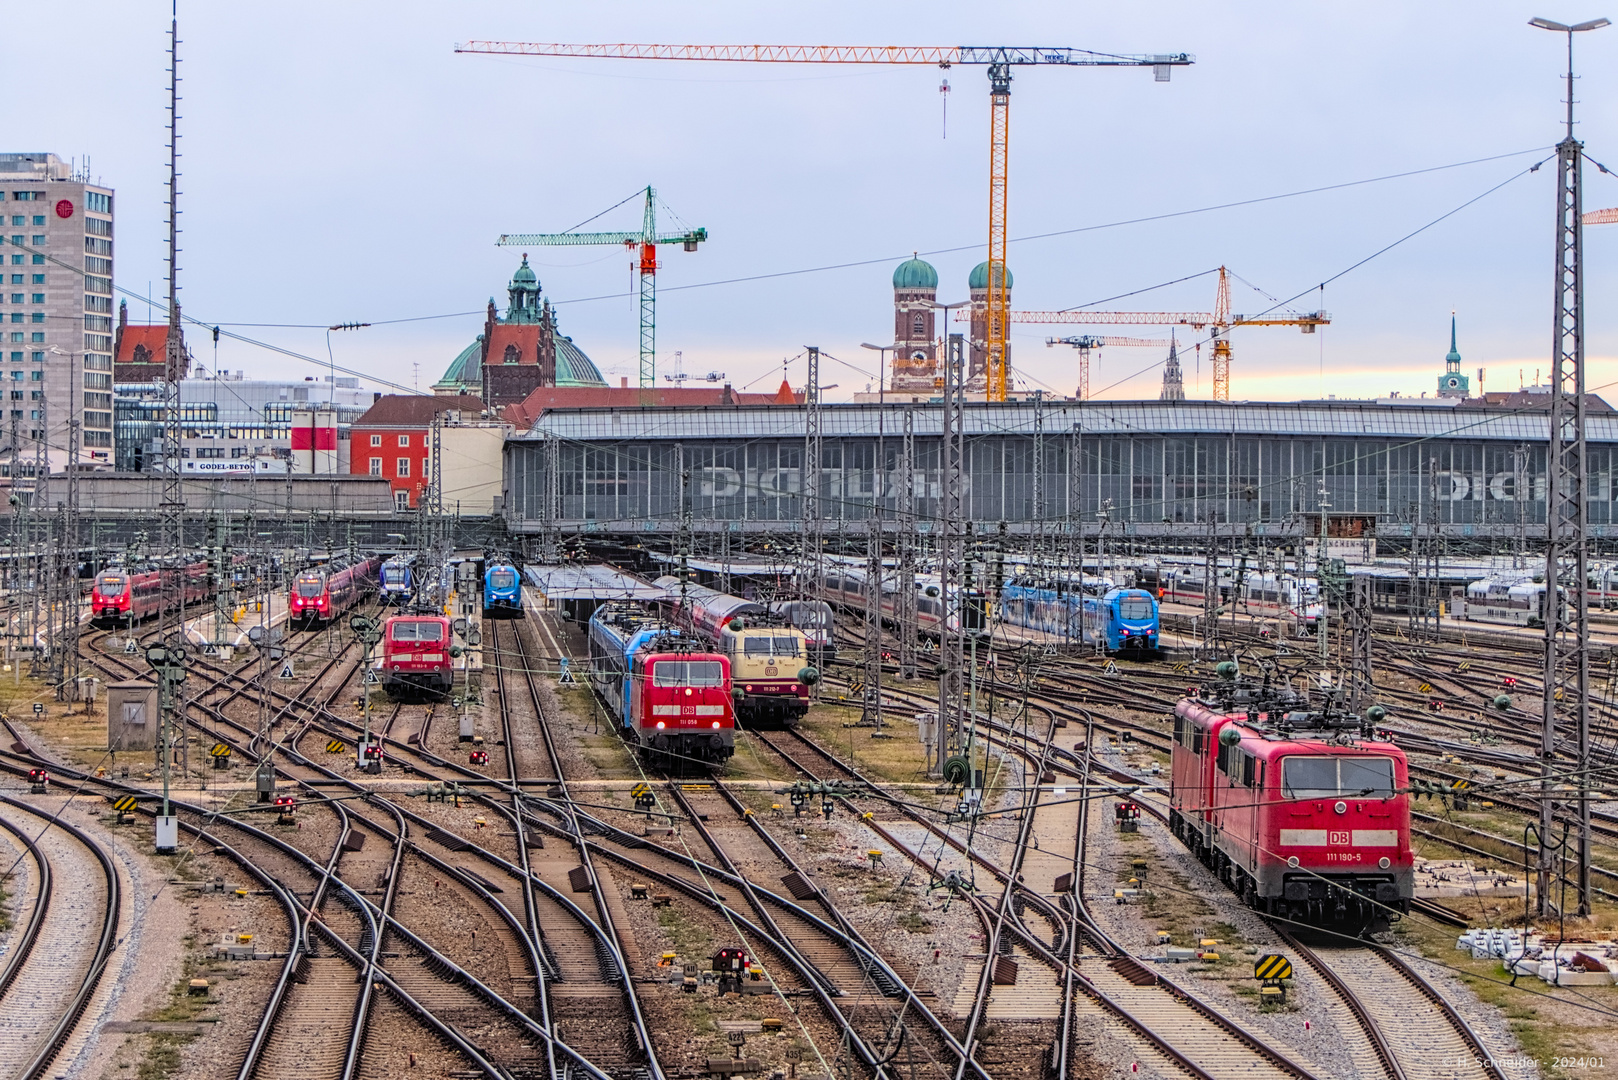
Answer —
(998, 59)
(1219, 322)
(1085, 343)
(1601, 217)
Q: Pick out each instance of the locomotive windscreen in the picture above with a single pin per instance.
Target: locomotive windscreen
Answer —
(1331, 777)
(687, 673)
(309, 586)
(112, 586)
(418, 631)
(394, 575)
(1135, 608)
(502, 579)
(773, 645)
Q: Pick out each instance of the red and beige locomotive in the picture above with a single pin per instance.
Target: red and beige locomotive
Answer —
(1304, 814)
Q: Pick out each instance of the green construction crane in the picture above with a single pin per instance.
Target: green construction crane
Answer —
(646, 240)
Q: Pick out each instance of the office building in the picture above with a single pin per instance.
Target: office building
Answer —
(57, 312)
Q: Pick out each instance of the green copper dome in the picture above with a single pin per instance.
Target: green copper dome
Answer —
(980, 277)
(525, 273)
(915, 274)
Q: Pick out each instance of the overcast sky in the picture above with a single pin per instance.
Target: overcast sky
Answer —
(343, 163)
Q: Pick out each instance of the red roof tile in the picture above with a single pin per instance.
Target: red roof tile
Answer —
(154, 339)
(417, 410)
(524, 337)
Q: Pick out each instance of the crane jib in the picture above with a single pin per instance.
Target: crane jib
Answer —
(942, 56)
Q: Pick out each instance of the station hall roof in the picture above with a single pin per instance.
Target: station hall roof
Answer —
(1116, 418)
(596, 582)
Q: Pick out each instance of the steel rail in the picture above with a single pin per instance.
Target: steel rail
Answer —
(57, 1038)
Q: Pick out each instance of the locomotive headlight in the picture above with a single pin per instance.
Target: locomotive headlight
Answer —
(688, 691)
(1292, 861)
(716, 725)
(1384, 862)
(1341, 808)
(660, 725)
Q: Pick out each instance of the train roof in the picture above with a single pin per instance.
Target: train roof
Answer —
(719, 605)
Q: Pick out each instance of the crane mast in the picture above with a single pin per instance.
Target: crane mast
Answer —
(645, 242)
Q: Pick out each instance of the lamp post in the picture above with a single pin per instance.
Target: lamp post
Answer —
(1567, 633)
(882, 368)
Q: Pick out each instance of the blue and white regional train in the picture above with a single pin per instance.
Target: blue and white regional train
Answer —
(502, 589)
(670, 696)
(397, 581)
(1122, 621)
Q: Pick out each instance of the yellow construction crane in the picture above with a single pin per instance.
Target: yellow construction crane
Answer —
(1219, 322)
(998, 59)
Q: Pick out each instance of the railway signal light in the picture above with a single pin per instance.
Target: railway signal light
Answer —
(479, 757)
(1509, 682)
(38, 780)
(1434, 705)
(286, 805)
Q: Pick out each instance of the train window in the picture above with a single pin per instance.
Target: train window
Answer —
(1368, 776)
(309, 586)
(774, 645)
(688, 673)
(1247, 770)
(417, 631)
(1329, 777)
(111, 587)
(1135, 608)
(502, 579)
(1196, 740)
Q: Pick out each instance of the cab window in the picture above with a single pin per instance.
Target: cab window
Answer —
(1334, 777)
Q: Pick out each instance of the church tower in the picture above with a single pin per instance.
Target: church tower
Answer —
(1452, 384)
(915, 353)
(1173, 382)
(977, 364)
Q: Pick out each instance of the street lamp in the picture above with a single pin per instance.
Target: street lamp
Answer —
(882, 365)
(1563, 28)
(946, 309)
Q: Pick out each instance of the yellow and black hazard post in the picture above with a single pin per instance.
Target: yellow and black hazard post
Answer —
(124, 806)
(336, 746)
(644, 799)
(221, 755)
(1271, 970)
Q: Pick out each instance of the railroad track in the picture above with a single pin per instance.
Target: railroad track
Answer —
(61, 952)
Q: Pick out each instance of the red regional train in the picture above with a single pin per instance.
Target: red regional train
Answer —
(418, 655)
(1305, 815)
(121, 596)
(322, 593)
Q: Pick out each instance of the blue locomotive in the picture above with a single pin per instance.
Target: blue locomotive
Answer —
(502, 589)
(397, 584)
(1122, 620)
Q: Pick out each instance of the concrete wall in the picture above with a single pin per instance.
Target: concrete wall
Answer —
(472, 469)
(118, 494)
(133, 722)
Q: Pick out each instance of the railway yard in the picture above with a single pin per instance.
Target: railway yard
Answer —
(509, 887)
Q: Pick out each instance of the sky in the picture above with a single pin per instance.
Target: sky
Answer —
(342, 163)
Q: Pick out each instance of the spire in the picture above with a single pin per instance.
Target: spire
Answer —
(1173, 383)
(1452, 384)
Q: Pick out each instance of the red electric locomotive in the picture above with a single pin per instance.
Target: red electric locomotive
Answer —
(322, 593)
(417, 655)
(1305, 815)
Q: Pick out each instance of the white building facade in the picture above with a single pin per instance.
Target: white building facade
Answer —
(57, 313)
